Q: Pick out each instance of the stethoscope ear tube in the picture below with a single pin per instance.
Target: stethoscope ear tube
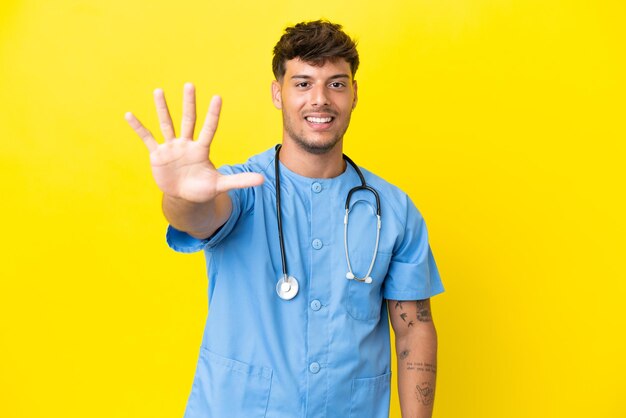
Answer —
(364, 187)
(350, 274)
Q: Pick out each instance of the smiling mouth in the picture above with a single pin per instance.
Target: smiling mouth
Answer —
(312, 119)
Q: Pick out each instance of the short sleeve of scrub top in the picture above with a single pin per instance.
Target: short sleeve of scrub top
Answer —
(184, 243)
(412, 273)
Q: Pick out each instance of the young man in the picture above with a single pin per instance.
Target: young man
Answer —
(300, 288)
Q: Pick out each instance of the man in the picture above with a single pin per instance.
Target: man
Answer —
(297, 323)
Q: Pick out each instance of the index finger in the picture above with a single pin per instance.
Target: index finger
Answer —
(210, 122)
(143, 133)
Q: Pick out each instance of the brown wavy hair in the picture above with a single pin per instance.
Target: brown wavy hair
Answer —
(315, 43)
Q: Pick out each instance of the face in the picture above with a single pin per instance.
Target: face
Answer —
(317, 102)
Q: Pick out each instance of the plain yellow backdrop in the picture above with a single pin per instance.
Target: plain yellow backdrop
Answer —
(502, 119)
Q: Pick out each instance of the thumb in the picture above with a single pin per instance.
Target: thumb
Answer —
(238, 181)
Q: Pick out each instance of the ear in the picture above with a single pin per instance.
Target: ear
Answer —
(356, 96)
(276, 97)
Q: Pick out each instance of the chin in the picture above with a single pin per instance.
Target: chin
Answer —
(315, 144)
(317, 147)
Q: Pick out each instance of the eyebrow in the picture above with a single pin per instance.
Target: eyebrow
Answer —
(308, 77)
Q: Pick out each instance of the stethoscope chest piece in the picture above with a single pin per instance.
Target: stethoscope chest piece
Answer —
(287, 287)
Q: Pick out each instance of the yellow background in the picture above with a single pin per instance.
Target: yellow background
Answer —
(503, 120)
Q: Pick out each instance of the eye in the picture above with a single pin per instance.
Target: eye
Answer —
(303, 84)
(337, 84)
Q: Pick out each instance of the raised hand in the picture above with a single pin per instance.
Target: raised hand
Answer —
(182, 167)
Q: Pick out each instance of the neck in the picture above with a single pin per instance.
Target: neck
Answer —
(304, 163)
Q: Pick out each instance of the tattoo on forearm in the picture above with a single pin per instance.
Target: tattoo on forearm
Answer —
(425, 393)
(423, 311)
(418, 366)
(403, 355)
(403, 316)
(399, 305)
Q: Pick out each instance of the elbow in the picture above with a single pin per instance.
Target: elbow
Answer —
(422, 334)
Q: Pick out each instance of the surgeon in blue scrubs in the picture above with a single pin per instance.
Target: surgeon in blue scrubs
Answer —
(323, 351)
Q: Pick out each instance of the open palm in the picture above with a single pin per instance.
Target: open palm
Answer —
(182, 167)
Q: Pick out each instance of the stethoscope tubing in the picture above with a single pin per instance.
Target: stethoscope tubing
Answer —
(279, 218)
(287, 286)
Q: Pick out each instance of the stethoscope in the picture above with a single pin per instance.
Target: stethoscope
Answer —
(287, 286)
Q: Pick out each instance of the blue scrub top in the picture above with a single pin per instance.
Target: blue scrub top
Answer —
(325, 353)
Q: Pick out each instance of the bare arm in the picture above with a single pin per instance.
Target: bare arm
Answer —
(200, 220)
(194, 192)
(416, 350)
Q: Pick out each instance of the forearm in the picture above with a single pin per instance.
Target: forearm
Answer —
(417, 371)
(200, 220)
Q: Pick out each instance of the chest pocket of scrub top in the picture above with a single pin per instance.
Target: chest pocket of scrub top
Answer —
(228, 388)
(364, 300)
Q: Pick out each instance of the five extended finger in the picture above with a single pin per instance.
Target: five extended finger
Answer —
(189, 112)
(210, 122)
(238, 181)
(143, 133)
(163, 113)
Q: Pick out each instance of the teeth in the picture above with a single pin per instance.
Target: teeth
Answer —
(318, 120)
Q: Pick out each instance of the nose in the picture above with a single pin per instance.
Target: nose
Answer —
(319, 95)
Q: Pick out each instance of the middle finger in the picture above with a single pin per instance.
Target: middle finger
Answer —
(189, 112)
